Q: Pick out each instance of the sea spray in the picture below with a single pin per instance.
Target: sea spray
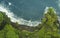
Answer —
(14, 18)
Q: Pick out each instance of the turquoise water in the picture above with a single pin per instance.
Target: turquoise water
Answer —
(30, 9)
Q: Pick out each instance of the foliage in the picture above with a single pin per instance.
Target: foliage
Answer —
(49, 29)
(1, 17)
(50, 22)
(10, 32)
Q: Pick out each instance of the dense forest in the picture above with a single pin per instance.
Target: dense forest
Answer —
(49, 27)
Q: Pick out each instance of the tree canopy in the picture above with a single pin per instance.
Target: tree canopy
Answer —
(49, 29)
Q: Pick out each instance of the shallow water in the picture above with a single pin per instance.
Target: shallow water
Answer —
(32, 10)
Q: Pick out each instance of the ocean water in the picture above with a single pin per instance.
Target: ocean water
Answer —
(29, 12)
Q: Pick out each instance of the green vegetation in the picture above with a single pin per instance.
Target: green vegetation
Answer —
(49, 29)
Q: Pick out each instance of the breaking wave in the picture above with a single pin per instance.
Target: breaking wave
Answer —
(19, 20)
(14, 18)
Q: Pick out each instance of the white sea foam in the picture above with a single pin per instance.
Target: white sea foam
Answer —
(58, 3)
(9, 3)
(46, 10)
(59, 19)
(14, 18)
